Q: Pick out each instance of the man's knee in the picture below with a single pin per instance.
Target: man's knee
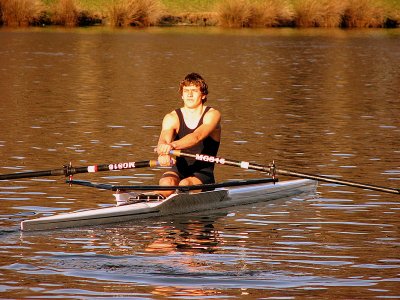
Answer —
(190, 181)
(184, 182)
(169, 179)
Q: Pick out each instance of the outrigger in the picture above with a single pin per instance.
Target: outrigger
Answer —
(212, 196)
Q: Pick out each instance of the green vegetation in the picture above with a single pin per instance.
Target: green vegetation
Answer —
(228, 13)
(192, 6)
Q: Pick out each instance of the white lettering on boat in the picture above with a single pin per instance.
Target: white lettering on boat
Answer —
(122, 166)
(210, 159)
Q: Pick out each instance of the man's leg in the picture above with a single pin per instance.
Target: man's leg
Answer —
(191, 181)
(168, 179)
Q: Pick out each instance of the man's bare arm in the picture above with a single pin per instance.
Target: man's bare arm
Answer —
(169, 128)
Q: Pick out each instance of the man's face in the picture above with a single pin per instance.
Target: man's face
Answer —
(192, 96)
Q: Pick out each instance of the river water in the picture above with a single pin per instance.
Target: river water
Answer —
(316, 101)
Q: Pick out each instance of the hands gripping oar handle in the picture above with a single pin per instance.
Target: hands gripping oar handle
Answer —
(272, 170)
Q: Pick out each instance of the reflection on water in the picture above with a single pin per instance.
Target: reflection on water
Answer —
(317, 101)
(280, 246)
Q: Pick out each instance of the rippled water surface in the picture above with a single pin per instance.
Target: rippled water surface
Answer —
(315, 101)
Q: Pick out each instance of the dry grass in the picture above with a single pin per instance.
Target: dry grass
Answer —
(122, 13)
(20, 12)
(65, 12)
(318, 13)
(247, 13)
(270, 13)
(306, 13)
(233, 13)
(191, 18)
(394, 17)
(332, 14)
(364, 14)
(393, 9)
(227, 13)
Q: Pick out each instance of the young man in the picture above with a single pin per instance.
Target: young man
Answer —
(195, 128)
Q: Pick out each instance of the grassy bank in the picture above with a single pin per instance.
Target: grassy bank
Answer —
(227, 13)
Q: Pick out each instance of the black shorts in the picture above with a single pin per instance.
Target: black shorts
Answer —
(205, 176)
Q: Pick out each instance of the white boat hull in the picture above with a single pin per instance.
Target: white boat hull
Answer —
(175, 204)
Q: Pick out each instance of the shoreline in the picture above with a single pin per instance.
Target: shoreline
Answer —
(227, 14)
(185, 19)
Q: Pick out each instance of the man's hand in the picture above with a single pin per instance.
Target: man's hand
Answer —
(166, 160)
(164, 149)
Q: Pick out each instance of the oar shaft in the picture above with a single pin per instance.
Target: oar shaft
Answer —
(222, 161)
(338, 181)
(32, 174)
(69, 170)
(271, 170)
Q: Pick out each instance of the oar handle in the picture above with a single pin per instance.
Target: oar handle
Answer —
(272, 170)
(68, 170)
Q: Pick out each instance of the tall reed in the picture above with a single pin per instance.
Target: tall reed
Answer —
(318, 13)
(364, 13)
(393, 7)
(270, 13)
(248, 13)
(307, 13)
(121, 13)
(233, 13)
(20, 12)
(228, 13)
(65, 12)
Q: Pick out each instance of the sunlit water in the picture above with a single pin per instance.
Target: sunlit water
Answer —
(317, 101)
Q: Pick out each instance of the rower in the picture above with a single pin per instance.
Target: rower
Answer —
(195, 128)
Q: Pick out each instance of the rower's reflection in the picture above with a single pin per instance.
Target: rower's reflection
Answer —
(189, 235)
(186, 238)
(184, 234)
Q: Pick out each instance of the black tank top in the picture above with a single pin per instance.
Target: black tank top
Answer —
(188, 166)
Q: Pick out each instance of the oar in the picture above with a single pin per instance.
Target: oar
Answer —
(272, 170)
(68, 170)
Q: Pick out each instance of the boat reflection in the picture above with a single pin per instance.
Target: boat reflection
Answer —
(197, 235)
(185, 234)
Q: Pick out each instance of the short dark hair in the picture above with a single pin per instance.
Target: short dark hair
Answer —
(196, 80)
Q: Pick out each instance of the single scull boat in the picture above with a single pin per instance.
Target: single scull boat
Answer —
(177, 203)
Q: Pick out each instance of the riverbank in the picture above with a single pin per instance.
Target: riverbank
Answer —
(226, 13)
